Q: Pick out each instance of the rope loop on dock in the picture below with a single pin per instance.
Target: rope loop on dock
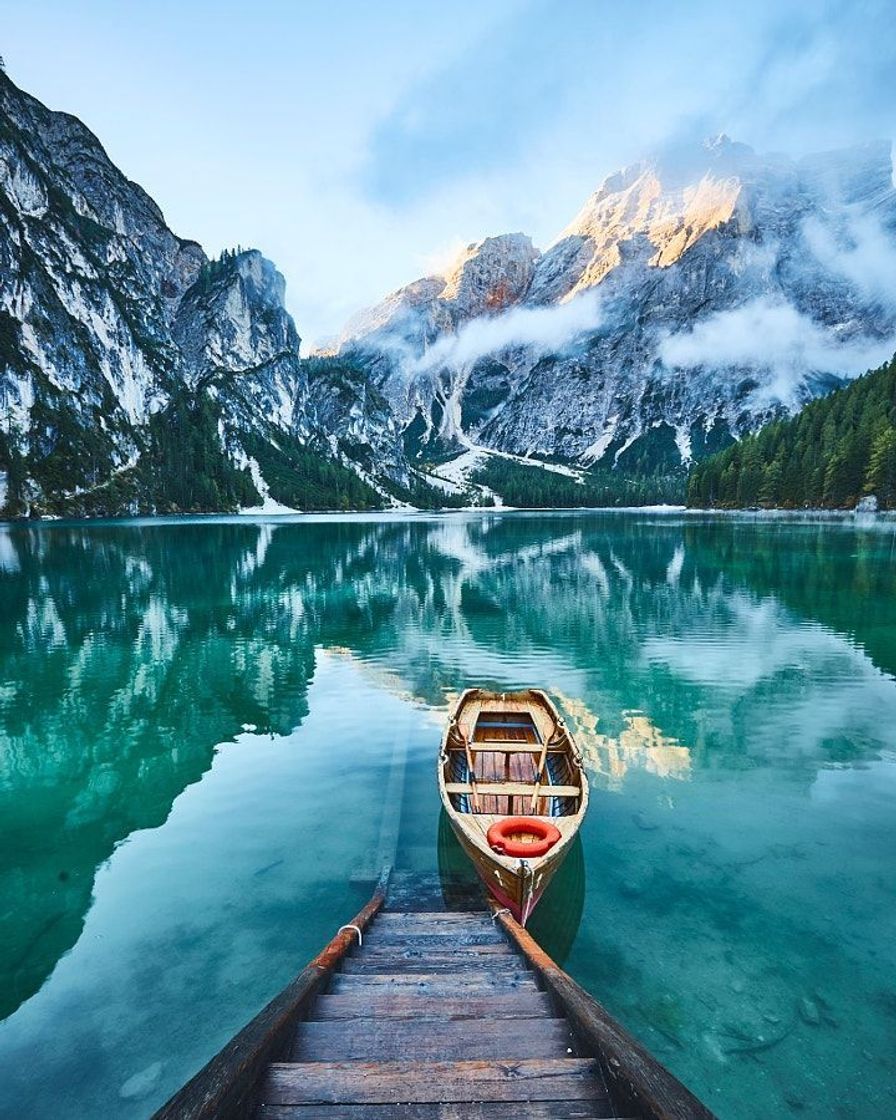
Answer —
(357, 930)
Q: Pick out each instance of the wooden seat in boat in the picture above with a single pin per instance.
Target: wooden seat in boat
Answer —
(512, 789)
(498, 746)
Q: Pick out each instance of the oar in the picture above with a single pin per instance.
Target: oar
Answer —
(471, 769)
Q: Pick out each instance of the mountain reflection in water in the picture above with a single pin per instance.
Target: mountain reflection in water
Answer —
(180, 700)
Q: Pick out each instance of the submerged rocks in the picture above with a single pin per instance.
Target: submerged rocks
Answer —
(141, 1083)
(632, 887)
(808, 1011)
(644, 822)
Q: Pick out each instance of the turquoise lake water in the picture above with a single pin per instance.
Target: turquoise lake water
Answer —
(197, 718)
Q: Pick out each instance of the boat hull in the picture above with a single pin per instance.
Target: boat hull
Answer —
(521, 912)
(514, 888)
(506, 756)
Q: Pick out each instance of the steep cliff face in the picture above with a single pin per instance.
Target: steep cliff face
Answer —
(118, 338)
(486, 278)
(91, 280)
(233, 332)
(692, 297)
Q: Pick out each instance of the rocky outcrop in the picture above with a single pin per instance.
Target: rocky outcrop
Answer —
(486, 278)
(393, 342)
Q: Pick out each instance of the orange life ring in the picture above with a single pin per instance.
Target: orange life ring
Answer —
(505, 837)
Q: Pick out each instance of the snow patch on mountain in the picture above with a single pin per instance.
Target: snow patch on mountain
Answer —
(107, 319)
(268, 504)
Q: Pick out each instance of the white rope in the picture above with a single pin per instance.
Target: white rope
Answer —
(497, 914)
(357, 930)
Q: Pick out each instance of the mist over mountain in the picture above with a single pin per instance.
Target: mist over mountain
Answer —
(695, 295)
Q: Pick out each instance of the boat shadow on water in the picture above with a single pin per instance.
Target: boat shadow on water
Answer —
(555, 922)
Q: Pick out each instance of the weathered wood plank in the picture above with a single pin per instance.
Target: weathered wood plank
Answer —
(391, 1005)
(413, 892)
(503, 746)
(434, 927)
(441, 983)
(412, 925)
(440, 929)
(427, 938)
(428, 945)
(387, 917)
(442, 962)
(501, 789)
(395, 1040)
(529, 1079)
(479, 1110)
(413, 962)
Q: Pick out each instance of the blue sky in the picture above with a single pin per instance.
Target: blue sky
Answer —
(360, 144)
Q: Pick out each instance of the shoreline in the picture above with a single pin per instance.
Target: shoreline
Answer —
(283, 515)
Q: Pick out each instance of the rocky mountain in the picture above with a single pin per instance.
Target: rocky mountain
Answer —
(135, 373)
(694, 296)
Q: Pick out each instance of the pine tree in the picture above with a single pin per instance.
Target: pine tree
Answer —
(837, 448)
(880, 478)
(769, 490)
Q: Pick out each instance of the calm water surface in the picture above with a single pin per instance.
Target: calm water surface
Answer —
(197, 719)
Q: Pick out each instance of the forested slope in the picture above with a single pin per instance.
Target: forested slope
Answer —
(834, 452)
(541, 488)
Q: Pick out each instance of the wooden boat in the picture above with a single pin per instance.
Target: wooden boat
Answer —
(515, 791)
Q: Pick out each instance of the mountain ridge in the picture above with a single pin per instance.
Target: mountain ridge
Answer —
(661, 247)
(695, 295)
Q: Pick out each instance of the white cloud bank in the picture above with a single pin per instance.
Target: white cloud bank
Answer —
(542, 330)
(865, 255)
(769, 334)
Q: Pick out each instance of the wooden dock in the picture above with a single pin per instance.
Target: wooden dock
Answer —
(436, 1015)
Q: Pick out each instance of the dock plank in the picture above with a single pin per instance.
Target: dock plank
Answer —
(475, 1110)
(413, 892)
(392, 1005)
(442, 962)
(527, 1079)
(434, 938)
(412, 948)
(441, 983)
(388, 917)
(379, 1040)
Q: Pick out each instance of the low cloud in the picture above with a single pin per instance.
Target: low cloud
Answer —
(863, 254)
(542, 330)
(770, 335)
